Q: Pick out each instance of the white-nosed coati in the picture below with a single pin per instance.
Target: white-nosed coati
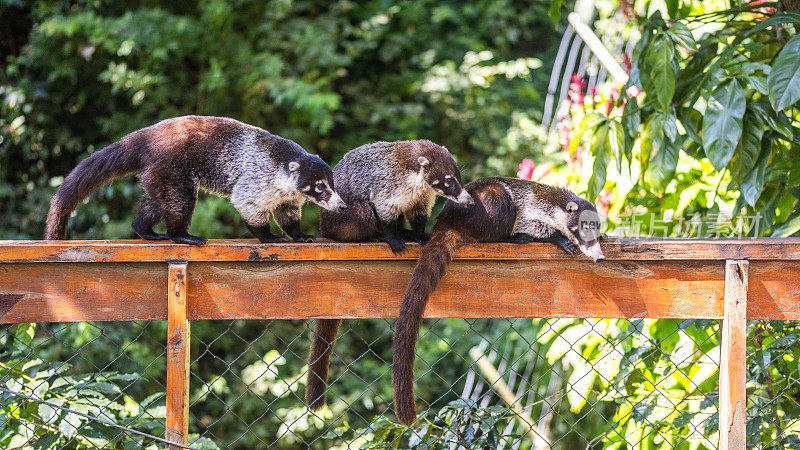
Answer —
(506, 209)
(385, 182)
(261, 173)
(382, 183)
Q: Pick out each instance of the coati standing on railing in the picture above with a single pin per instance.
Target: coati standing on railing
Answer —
(382, 183)
(261, 173)
(506, 209)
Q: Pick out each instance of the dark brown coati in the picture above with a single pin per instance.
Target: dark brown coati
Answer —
(261, 173)
(506, 209)
(382, 183)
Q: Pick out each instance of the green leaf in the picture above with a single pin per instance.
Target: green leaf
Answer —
(776, 120)
(789, 228)
(662, 166)
(722, 123)
(784, 78)
(631, 120)
(750, 145)
(786, 17)
(753, 182)
(758, 83)
(589, 122)
(23, 336)
(601, 150)
(682, 36)
(69, 424)
(47, 440)
(659, 63)
(555, 10)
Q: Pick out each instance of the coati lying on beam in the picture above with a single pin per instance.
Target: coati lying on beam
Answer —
(506, 209)
(261, 173)
(382, 183)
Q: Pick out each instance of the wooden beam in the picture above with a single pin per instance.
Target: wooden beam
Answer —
(38, 292)
(178, 343)
(615, 249)
(733, 363)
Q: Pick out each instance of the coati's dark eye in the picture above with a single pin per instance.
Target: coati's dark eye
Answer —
(320, 186)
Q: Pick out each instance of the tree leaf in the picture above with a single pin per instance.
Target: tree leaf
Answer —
(750, 145)
(659, 64)
(722, 123)
(784, 78)
(682, 36)
(555, 10)
(601, 151)
(589, 122)
(753, 182)
(789, 228)
(662, 166)
(23, 336)
(776, 120)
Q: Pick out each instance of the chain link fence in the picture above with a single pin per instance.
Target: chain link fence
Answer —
(485, 383)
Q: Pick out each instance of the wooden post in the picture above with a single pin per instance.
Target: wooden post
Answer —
(732, 367)
(178, 339)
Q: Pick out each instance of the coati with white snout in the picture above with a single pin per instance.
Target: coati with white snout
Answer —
(385, 182)
(261, 173)
(505, 210)
(382, 183)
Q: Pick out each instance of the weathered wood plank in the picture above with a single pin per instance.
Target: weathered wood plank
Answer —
(631, 249)
(374, 289)
(733, 362)
(82, 291)
(178, 339)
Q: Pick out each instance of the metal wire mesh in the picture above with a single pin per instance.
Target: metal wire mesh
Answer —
(488, 383)
(114, 372)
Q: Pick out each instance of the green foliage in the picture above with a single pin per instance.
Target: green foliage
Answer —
(707, 92)
(94, 394)
(461, 423)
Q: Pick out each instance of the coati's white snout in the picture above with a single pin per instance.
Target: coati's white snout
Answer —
(335, 203)
(464, 199)
(593, 251)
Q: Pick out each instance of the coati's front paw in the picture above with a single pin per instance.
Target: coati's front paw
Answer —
(189, 239)
(568, 247)
(397, 245)
(305, 238)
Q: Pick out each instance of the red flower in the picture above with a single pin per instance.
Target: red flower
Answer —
(526, 169)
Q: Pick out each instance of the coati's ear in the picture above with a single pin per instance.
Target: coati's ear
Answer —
(294, 165)
(572, 206)
(423, 161)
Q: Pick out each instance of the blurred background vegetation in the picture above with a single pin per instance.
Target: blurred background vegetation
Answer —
(472, 76)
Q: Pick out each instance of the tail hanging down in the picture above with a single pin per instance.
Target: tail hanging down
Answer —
(430, 268)
(319, 359)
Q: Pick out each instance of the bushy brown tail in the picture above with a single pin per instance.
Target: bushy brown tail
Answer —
(319, 358)
(433, 261)
(98, 169)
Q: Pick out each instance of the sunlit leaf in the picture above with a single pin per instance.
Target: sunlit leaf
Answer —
(682, 36)
(750, 145)
(753, 181)
(784, 79)
(659, 63)
(722, 123)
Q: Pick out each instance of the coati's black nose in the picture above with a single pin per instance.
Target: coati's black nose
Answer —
(342, 206)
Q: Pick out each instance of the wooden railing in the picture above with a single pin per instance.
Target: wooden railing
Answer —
(731, 280)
